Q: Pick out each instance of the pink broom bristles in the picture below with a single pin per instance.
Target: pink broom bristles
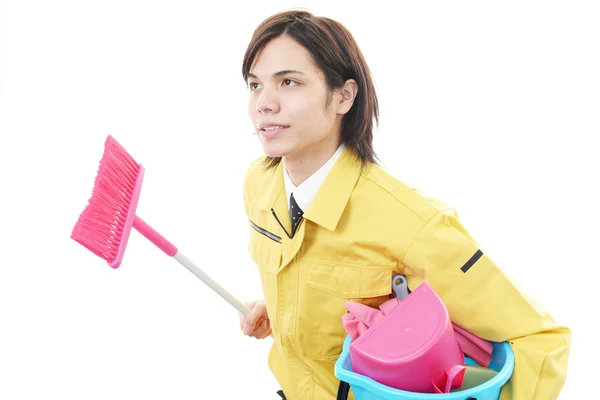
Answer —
(101, 227)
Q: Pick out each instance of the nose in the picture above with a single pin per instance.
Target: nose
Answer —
(268, 102)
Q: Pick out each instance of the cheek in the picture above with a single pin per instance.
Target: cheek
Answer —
(253, 115)
(305, 112)
(314, 119)
(251, 108)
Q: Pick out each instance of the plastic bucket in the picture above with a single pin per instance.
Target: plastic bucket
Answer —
(408, 352)
(365, 388)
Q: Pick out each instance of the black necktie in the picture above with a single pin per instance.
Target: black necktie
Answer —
(296, 214)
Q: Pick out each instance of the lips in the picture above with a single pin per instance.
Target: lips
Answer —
(271, 128)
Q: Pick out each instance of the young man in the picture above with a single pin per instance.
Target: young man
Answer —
(328, 225)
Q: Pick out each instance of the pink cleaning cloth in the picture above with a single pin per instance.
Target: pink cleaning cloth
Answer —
(480, 350)
(361, 317)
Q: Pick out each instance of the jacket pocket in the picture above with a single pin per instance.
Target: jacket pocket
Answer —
(265, 251)
(323, 294)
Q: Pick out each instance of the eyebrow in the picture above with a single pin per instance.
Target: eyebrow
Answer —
(279, 73)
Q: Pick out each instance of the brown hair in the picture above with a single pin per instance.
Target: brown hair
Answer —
(336, 53)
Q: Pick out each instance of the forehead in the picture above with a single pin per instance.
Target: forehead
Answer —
(283, 53)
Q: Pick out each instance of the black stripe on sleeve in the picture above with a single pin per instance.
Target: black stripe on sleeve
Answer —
(471, 261)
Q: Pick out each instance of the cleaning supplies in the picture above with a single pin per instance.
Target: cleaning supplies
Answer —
(405, 350)
(476, 375)
(473, 346)
(361, 318)
(106, 222)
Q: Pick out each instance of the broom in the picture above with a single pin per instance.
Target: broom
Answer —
(105, 224)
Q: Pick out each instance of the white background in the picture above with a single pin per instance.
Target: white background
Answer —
(492, 107)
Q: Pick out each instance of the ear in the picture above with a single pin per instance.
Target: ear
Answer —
(346, 96)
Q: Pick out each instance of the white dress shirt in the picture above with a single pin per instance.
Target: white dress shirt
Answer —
(306, 191)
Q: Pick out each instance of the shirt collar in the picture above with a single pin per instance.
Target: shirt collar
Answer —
(307, 190)
(329, 202)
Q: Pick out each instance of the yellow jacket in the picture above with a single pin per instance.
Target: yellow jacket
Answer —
(361, 228)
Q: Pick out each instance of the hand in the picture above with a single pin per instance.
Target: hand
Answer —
(257, 324)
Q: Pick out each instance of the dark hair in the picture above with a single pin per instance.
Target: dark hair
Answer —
(336, 53)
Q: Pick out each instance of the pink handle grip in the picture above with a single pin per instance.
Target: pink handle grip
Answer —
(142, 227)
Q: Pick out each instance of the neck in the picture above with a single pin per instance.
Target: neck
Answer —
(301, 166)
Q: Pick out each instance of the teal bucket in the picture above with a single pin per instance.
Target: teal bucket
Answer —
(365, 388)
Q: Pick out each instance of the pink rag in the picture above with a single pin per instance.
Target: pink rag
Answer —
(362, 317)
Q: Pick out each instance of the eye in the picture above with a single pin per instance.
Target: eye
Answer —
(289, 82)
(253, 85)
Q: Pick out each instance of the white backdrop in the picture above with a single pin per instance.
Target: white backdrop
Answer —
(490, 107)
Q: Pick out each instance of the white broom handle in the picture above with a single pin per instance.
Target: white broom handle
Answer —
(183, 260)
(162, 243)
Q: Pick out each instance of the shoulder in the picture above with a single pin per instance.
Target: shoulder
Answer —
(255, 168)
(408, 195)
(256, 175)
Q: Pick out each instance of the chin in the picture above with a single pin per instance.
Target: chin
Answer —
(275, 154)
(275, 150)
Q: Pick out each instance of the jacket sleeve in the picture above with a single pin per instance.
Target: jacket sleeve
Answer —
(481, 298)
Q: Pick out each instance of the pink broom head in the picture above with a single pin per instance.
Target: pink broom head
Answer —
(105, 223)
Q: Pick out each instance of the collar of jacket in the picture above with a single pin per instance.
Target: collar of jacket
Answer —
(329, 202)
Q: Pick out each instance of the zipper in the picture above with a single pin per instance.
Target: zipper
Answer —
(265, 232)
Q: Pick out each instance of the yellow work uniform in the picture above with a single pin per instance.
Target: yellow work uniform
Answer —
(362, 227)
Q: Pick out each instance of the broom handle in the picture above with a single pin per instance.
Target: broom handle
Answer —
(183, 260)
(166, 246)
(152, 235)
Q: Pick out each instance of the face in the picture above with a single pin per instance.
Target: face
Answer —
(288, 101)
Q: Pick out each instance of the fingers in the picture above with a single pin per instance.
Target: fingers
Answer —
(257, 314)
(242, 321)
(262, 330)
(250, 305)
(257, 323)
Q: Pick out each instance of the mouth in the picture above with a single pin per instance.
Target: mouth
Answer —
(272, 130)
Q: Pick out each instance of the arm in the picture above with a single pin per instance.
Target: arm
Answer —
(482, 299)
